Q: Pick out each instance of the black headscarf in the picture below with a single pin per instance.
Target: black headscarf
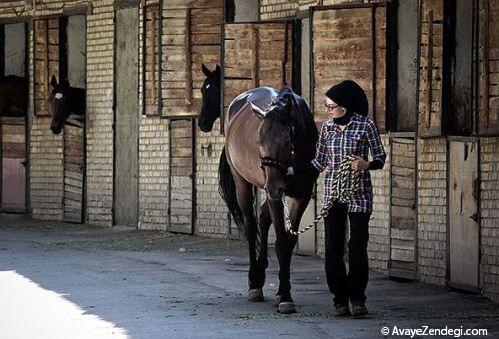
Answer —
(350, 95)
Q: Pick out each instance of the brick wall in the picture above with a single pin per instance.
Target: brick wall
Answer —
(46, 171)
(432, 210)
(13, 9)
(211, 211)
(153, 159)
(153, 173)
(489, 205)
(378, 249)
(275, 9)
(100, 91)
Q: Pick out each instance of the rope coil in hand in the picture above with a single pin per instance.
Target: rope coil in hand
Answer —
(343, 191)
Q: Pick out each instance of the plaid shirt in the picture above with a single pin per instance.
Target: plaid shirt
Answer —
(359, 136)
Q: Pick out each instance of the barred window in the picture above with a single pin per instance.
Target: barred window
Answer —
(46, 55)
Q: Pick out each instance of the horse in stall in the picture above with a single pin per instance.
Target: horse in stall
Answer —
(13, 96)
(266, 131)
(64, 100)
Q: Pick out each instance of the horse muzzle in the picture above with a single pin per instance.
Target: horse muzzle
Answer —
(56, 130)
(56, 126)
(275, 194)
(274, 185)
(205, 127)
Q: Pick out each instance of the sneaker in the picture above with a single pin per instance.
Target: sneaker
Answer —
(359, 308)
(341, 310)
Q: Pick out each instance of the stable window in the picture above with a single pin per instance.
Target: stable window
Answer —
(452, 83)
(60, 51)
(458, 76)
(191, 37)
(430, 68)
(13, 56)
(402, 49)
(151, 56)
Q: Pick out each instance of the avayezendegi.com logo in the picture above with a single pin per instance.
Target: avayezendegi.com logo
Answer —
(428, 331)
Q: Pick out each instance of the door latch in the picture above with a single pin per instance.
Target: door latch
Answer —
(474, 217)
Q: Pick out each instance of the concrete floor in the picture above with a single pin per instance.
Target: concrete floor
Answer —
(71, 281)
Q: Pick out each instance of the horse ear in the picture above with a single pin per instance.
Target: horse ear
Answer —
(217, 69)
(257, 110)
(206, 71)
(53, 81)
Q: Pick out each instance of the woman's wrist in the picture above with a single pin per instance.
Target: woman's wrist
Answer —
(375, 165)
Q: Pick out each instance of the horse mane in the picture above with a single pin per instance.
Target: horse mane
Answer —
(299, 116)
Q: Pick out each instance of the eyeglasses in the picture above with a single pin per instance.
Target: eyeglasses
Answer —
(330, 108)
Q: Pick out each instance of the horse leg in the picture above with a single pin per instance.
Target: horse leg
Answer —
(297, 207)
(244, 195)
(261, 243)
(284, 247)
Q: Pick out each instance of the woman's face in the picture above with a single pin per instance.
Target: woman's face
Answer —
(333, 109)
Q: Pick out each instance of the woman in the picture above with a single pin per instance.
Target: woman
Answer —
(348, 132)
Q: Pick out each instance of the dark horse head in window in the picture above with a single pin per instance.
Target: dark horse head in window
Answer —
(210, 91)
(64, 100)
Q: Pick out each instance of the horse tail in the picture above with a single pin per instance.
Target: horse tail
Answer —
(227, 190)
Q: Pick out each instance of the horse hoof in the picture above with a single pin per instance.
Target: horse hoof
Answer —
(287, 307)
(255, 294)
(277, 300)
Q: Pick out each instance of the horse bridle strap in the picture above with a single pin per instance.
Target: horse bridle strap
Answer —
(269, 162)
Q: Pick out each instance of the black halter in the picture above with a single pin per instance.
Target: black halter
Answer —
(270, 162)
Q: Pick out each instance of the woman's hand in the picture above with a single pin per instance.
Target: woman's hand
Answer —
(359, 164)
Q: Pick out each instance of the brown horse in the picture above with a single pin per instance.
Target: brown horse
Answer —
(266, 132)
(64, 100)
(13, 96)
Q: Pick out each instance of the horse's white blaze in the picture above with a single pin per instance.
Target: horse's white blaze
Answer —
(207, 86)
(58, 96)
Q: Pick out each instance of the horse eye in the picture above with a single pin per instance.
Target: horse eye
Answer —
(207, 86)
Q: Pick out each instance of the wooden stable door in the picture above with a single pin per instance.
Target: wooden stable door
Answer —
(349, 42)
(74, 166)
(463, 214)
(126, 117)
(13, 171)
(181, 212)
(403, 208)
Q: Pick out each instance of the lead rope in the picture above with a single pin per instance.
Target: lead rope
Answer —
(343, 191)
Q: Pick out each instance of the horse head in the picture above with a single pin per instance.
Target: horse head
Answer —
(59, 104)
(210, 91)
(277, 140)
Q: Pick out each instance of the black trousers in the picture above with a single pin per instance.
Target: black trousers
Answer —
(351, 286)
